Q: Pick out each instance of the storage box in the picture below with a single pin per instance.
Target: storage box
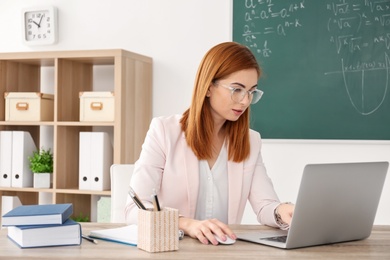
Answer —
(158, 231)
(28, 106)
(97, 106)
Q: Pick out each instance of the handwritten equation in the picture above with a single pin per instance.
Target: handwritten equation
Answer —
(263, 17)
(360, 34)
(354, 36)
(349, 19)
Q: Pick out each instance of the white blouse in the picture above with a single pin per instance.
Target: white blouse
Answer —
(213, 189)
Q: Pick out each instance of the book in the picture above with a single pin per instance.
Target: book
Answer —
(66, 234)
(38, 215)
(125, 235)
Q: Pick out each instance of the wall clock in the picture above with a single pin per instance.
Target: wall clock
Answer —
(39, 25)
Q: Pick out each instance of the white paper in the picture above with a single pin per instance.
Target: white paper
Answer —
(126, 234)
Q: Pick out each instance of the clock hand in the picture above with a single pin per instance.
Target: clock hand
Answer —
(37, 24)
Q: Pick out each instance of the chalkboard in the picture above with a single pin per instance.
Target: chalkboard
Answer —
(325, 67)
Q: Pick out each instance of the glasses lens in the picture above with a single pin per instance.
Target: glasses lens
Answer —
(238, 94)
(256, 95)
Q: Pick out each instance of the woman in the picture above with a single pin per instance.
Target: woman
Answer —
(207, 162)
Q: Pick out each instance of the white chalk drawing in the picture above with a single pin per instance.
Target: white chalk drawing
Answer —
(363, 109)
(356, 29)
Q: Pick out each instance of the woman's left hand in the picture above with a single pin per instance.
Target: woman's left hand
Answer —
(286, 211)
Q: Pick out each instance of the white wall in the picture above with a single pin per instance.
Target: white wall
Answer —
(176, 34)
(285, 160)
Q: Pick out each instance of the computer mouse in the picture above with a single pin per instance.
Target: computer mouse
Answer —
(228, 241)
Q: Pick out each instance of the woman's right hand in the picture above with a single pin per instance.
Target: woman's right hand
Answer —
(204, 230)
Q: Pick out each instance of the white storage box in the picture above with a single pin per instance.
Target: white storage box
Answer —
(29, 106)
(97, 106)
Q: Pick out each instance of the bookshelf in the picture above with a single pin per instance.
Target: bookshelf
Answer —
(72, 72)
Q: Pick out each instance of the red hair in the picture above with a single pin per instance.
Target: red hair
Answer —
(197, 122)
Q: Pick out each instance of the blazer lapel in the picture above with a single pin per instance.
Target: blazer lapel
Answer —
(235, 175)
(191, 166)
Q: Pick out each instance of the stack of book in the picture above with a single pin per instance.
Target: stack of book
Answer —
(42, 225)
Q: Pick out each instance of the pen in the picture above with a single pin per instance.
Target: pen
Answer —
(156, 204)
(89, 239)
(135, 198)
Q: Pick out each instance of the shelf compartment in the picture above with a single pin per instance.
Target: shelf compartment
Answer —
(27, 196)
(18, 77)
(67, 156)
(67, 153)
(81, 203)
(73, 77)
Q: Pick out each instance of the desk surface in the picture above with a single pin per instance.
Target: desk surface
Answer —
(377, 246)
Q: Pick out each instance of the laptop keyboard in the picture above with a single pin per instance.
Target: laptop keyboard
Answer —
(281, 239)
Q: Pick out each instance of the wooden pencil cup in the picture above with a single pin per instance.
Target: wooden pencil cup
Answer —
(158, 231)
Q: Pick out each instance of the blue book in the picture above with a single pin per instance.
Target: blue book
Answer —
(38, 215)
(66, 234)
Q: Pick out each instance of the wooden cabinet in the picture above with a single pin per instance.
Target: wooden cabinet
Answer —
(73, 72)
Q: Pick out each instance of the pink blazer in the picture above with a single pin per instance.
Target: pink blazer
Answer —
(168, 165)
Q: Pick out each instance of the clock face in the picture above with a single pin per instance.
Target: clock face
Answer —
(40, 26)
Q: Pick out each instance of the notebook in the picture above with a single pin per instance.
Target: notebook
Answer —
(125, 235)
(335, 203)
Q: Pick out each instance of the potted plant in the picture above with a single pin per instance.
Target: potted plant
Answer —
(41, 164)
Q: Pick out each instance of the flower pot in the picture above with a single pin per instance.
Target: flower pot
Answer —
(42, 180)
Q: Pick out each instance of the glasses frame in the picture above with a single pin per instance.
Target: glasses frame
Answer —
(249, 93)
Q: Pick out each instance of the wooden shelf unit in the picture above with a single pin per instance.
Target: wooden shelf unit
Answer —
(73, 72)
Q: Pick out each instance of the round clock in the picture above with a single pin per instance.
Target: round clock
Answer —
(39, 25)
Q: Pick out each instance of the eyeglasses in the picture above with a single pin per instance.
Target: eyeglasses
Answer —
(238, 93)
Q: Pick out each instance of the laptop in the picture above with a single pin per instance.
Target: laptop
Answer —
(336, 203)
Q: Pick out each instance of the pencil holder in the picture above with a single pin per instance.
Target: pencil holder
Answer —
(158, 230)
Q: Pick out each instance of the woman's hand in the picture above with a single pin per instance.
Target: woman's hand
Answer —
(286, 211)
(204, 230)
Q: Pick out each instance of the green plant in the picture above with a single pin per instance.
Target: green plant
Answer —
(41, 161)
(81, 218)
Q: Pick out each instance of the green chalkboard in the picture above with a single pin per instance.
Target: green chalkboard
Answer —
(325, 67)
